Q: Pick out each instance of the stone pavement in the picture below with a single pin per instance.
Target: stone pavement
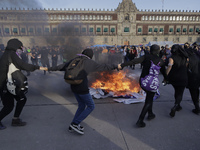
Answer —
(111, 126)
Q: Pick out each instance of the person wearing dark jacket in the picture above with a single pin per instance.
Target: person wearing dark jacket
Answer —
(44, 58)
(146, 60)
(7, 98)
(193, 76)
(81, 91)
(177, 75)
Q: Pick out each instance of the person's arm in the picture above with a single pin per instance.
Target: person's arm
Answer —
(20, 64)
(133, 62)
(170, 64)
(92, 66)
(58, 68)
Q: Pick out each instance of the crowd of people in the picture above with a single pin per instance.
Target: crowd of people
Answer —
(180, 66)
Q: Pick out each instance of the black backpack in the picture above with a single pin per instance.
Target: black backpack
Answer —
(74, 73)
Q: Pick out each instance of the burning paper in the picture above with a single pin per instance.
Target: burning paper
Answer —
(117, 82)
(122, 86)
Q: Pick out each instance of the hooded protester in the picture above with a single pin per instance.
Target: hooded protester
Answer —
(12, 52)
(177, 75)
(81, 91)
(146, 61)
(193, 76)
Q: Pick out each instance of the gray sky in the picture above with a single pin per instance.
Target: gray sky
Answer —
(108, 4)
(102, 4)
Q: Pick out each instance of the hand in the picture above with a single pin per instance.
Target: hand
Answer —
(119, 67)
(44, 68)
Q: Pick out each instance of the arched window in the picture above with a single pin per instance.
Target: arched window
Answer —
(167, 17)
(94, 17)
(150, 17)
(184, 18)
(67, 17)
(153, 18)
(170, 18)
(181, 18)
(174, 18)
(160, 18)
(98, 18)
(194, 18)
(177, 18)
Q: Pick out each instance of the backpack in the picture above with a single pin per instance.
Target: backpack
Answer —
(74, 72)
(17, 83)
(151, 82)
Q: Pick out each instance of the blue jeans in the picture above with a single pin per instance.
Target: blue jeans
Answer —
(85, 107)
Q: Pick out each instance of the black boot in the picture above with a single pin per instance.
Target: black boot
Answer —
(196, 111)
(18, 122)
(140, 124)
(178, 107)
(151, 116)
(173, 110)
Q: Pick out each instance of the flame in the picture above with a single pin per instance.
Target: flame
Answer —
(117, 82)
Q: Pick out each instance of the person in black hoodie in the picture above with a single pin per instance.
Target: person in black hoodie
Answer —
(177, 75)
(81, 91)
(7, 98)
(193, 76)
(146, 61)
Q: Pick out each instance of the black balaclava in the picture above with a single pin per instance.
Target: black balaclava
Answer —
(14, 44)
(155, 49)
(88, 52)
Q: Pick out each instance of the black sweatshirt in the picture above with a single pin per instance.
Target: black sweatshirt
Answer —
(146, 61)
(89, 66)
(19, 63)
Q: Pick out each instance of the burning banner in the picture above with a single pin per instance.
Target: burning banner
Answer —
(121, 85)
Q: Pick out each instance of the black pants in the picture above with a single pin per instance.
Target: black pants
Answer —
(195, 97)
(8, 104)
(178, 93)
(148, 105)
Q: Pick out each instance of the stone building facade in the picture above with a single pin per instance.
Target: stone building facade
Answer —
(124, 25)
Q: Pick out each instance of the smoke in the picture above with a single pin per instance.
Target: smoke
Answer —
(20, 4)
(72, 43)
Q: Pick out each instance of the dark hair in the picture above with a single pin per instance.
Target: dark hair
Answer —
(180, 53)
(88, 52)
(155, 49)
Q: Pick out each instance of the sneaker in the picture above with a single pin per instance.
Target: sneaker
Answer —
(2, 127)
(71, 130)
(77, 128)
(18, 122)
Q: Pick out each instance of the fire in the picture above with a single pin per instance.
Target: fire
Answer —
(117, 82)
